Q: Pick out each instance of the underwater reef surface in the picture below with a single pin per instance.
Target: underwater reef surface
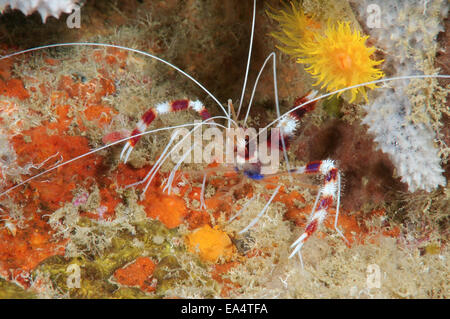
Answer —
(79, 231)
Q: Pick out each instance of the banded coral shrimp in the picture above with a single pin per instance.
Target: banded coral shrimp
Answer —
(312, 168)
(226, 118)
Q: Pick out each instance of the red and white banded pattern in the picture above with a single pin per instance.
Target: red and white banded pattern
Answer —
(287, 126)
(288, 123)
(329, 192)
(161, 108)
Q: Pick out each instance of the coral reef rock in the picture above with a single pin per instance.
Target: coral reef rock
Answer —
(45, 8)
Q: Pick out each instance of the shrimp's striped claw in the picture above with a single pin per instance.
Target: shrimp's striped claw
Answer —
(329, 192)
(288, 124)
(149, 116)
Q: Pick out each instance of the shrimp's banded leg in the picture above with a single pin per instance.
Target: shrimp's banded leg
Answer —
(329, 192)
(288, 124)
(162, 108)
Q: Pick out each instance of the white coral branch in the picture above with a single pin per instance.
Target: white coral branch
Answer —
(411, 35)
(45, 8)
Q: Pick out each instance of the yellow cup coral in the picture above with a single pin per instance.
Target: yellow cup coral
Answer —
(210, 243)
(339, 59)
(337, 56)
(295, 27)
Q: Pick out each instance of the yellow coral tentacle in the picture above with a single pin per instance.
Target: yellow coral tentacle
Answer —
(336, 57)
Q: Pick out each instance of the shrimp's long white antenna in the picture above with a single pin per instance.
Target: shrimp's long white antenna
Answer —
(121, 48)
(337, 208)
(161, 160)
(159, 163)
(272, 55)
(253, 222)
(168, 187)
(105, 147)
(155, 165)
(202, 193)
(242, 209)
(248, 59)
(275, 85)
(404, 77)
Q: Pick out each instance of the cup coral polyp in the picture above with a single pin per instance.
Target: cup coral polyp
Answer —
(336, 55)
(295, 25)
(340, 58)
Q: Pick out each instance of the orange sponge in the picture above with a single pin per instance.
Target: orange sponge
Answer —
(210, 243)
(138, 274)
(169, 209)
